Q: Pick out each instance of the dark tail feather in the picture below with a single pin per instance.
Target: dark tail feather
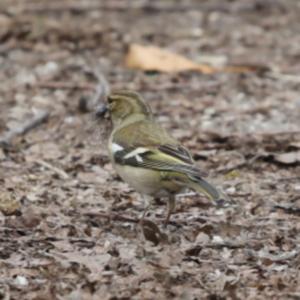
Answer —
(200, 185)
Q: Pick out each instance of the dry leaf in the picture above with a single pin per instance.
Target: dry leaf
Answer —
(9, 205)
(296, 145)
(152, 233)
(151, 58)
(288, 158)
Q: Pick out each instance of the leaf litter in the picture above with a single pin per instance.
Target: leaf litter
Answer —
(70, 228)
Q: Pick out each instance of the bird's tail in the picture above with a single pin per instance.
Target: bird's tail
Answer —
(202, 186)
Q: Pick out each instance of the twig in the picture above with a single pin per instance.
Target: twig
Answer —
(233, 167)
(243, 163)
(58, 6)
(284, 77)
(240, 195)
(112, 217)
(89, 86)
(187, 194)
(296, 178)
(257, 134)
(120, 6)
(37, 120)
(58, 171)
(288, 209)
(65, 85)
(228, 244)
(281, 257)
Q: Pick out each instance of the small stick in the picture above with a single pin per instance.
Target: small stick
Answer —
(187, 194)
(57, 6)
(284, 77)
(58, 171)
(288, 209)
(37, 120)
(112, 216)
(65, 85)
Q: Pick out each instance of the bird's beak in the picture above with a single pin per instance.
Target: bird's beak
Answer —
(101, 110)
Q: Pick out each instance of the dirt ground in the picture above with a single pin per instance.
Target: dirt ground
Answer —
(69, 226)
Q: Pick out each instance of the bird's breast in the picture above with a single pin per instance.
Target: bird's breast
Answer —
(144, 181)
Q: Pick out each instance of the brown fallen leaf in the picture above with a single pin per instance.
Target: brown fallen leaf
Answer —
(295, 145)
(288, 158)
(9, 205)
(152, 233)
(151, 58)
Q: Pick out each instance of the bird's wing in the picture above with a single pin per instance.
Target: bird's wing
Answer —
(148, 145)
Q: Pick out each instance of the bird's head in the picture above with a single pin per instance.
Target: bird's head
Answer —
(126, 104)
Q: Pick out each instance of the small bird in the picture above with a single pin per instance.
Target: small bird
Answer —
(146, 156)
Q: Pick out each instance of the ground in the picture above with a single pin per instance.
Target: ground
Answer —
(70, 227)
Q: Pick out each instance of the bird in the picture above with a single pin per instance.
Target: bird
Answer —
(146, 156)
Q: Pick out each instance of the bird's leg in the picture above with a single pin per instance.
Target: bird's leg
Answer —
(171, 206)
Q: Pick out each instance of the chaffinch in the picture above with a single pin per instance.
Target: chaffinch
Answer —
(146, 156)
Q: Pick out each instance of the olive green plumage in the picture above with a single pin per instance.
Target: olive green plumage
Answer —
(146, 156)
